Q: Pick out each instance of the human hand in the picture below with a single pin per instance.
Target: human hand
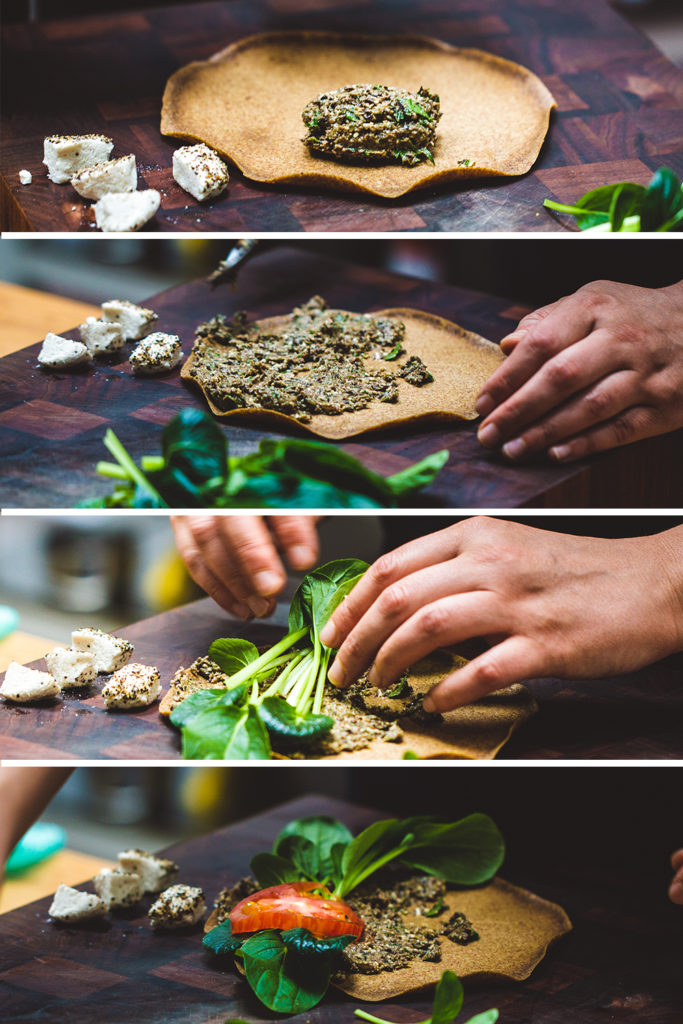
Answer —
(594, 370)
(235, 559)
(549, 604)
(676, 887)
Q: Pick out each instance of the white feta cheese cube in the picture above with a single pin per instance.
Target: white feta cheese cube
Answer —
(135, 321)
(71, 668)
(126, 211)
(24, 685)
(156, 872)
(157, 353)
(25, 177)
(134, 686)
(60, 353)
(200, 171)
(101, 336)
(118, 888)
(110, 652)
(178, 907)
(75, 905)
(64, 155)
(118, 175)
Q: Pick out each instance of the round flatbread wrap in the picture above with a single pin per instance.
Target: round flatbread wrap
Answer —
(246, 102)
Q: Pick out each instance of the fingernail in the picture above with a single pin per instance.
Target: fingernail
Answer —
(375, 678)
(489, 436)
(241, 611)
(259, 606)
(676, 891)
(337, 675)
(266, 583)
(428, 703)
(515, 449)
(328, 635)
(559, 452)
(300, 556)
(484, 404)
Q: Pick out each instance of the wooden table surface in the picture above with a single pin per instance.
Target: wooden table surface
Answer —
(52, 424)
(632, 716)
(619, 110)
(620, 964)
(65, 867)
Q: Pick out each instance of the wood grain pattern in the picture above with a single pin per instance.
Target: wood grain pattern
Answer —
(50, 420)
(619, 110)
(631, 716)
(597, 973)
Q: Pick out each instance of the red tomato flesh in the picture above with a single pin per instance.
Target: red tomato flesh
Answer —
(289, 906)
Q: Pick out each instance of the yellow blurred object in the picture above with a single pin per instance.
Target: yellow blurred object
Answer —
(167, 583)
(205, 792)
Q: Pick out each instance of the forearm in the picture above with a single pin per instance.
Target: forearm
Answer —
(24, 795)
(669, 546)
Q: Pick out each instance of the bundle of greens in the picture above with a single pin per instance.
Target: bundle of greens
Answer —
(626, 206)
(195, 470)
(289, 968)
(237, 722)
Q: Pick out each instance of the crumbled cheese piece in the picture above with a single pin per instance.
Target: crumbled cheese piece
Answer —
(101, 336)
(118, 175)
(200, 171)
(64, 155)
(178, 907)
(156, 872)
(71, 668)
(118, 888)
(110, 652)
(126, 211)
(25, 177)
(74, 905)
(135, 321)
(58, 352)
(156, 353)
(134, 686)
(23, 685)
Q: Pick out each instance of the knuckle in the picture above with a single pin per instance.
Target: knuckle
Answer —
(538, 343)
(352, 648)
(623, 428)
(598, 404)
(393, 601)
(434, 620)
(385, 569)
(562, 373)
(203, 529)
(489, 673)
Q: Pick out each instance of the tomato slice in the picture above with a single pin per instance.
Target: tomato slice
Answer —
(289, 906)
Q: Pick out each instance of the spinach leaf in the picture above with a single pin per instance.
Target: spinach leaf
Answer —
(436, 909)
(487, 1017)
(467, 852)
(326, 837)
(248, 740)
(412, 479)
(394, 353)
(311, 599)
(302, 853)
(626, 206)
(220, 941)
(226, 734)
(301, 940)
(269, 869)
(283, 721)
(281, 978)
(663, 201)
(448, 999)
(232, 654)
(193, 443)
(205, 700)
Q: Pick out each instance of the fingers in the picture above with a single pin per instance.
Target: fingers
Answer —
(409, 558)
(297, 539)
(630, 425)
(510, 661)
(569, 321)
(676, 887)
(510, 341)
(189, 551)
(595, 404)
(677, 860)
(398, 603)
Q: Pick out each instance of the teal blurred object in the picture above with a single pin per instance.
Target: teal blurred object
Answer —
(39, 843)
(9, 620)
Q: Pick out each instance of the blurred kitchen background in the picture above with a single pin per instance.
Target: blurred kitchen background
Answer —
(661, 20)
(528, 271)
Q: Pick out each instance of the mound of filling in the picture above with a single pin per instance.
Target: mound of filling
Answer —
(373, 124)
(321, 362)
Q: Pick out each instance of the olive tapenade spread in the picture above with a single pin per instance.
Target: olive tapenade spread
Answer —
(373, 124)
(391, 907)
(321, 362)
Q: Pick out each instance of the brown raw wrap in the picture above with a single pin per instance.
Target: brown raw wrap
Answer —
(515, 929)
(246, 103)
(460, 361)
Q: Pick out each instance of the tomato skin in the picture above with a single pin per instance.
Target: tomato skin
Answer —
(288, 906)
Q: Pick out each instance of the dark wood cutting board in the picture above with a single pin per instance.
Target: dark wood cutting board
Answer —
(631, 716)
(124, 972)
(52, 424)
(619, 104)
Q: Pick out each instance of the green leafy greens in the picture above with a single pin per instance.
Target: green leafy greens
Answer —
(290, 970)
(626, 206)
(448, 998)
(238, 722)
(195, 470)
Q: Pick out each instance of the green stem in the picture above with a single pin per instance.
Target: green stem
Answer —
(245, 674)
(113, 470)
(298, 674)
(152, 463)
(304, 699)
(322, 678)
(114, 446)
(347, 884)
(278, 683)
(576, 211)
(368, 1016)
